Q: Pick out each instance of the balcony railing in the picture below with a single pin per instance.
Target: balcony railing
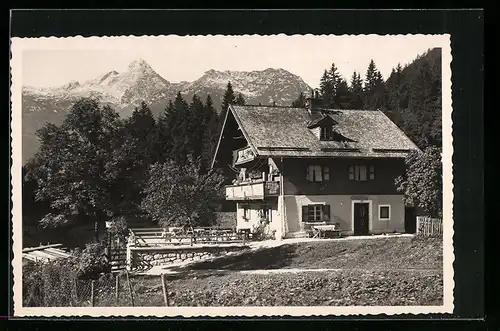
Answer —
(257, 190)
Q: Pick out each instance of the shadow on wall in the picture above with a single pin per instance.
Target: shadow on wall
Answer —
(293, 216)
(265, 258)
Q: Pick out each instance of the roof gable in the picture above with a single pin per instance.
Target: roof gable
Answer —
(324, 120)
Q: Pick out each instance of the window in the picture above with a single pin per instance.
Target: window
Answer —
(326, 173)
(371, 172)
(246, 213)
(384, 212)
(315, 213)
(361, 172)
(326, 133)
(317, 173)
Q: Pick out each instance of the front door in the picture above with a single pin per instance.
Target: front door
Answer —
(361, 218)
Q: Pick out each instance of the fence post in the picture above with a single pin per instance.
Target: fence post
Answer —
(117, 290)
(92, 293)
(130, 289)
(165, 291)
(75, 289)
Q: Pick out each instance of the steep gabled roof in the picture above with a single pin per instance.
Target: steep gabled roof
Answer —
(283, 131)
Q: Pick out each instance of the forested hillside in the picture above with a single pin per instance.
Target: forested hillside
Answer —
(410, 96)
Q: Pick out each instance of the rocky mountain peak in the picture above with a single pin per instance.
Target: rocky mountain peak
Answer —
(71, 85)
(139, 64)
(140, 82)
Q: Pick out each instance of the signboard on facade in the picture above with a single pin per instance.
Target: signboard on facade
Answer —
(245, 155)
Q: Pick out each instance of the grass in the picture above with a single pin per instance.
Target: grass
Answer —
(390, 253)
(331, 288)
(395, 271)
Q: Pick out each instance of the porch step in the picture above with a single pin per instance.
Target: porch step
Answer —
(298, 234)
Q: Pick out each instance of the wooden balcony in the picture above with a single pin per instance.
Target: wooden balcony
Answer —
(257, 190)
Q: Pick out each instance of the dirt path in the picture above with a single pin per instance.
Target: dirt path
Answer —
(193, 273)
(277, 243)
(297, 270)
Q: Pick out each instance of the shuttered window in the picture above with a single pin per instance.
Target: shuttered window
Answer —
(317, 173)
(361, 172)
(316, 213)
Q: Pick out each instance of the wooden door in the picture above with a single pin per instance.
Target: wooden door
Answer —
(361, 218)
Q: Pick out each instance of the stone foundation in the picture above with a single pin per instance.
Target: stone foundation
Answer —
(147, 257)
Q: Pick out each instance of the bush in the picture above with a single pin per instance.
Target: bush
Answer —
(119, 228)
(53, 283)
(48, 284)
(91, 262)
(262, 232)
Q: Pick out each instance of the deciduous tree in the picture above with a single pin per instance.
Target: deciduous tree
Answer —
(75, 167)
(182, 195)
(422, 184)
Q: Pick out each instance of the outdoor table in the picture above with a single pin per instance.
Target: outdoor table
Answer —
(320, 230)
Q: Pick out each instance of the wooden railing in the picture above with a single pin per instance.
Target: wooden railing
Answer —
(429, 227)
(256, 190)
(160, 237)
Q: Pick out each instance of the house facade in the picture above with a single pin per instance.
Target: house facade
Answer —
(291, 168)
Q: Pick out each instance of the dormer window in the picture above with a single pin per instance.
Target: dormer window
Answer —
(326, 133)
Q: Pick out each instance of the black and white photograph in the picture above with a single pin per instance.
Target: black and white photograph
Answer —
(219, 175)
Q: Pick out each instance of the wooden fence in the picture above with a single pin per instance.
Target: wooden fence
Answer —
(430, 227)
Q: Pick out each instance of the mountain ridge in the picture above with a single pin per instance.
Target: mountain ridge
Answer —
(140, 82)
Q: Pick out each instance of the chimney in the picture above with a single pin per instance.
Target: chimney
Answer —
(313, 103)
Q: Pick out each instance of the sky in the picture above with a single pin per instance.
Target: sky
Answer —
(49, 62)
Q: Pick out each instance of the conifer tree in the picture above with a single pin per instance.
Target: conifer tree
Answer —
(300, 102)
(196, 126)
(356, 91)
(326, 88)
(229, 98)
(342, 95)
(174, 126)
(139, 151)
(329, 85)
(394, 95)
(164, 143)
(374, 89)
(211, 133)
(240, 100)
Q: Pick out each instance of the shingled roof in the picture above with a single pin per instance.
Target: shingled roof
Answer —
(284, 132)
